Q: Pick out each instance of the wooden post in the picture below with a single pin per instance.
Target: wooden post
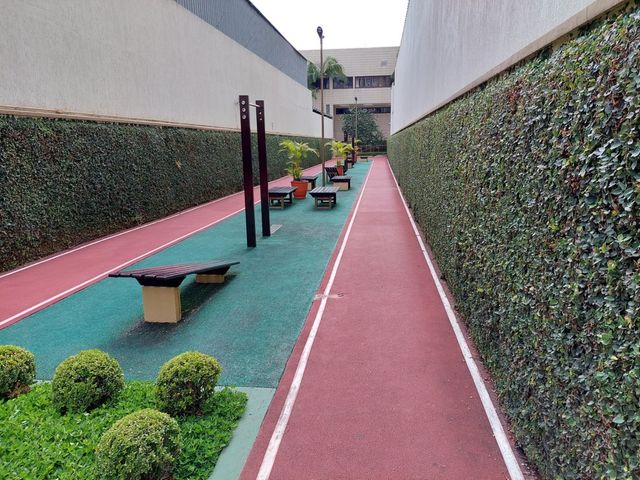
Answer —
(247, 170)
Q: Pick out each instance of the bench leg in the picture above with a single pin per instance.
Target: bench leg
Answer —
(161, 304)
(209, 278)
(342, 185)
(276, 202)
(324, 202)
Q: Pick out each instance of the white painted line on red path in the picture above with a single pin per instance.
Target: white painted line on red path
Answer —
(496, 426)
(115, 235)
(276, 438)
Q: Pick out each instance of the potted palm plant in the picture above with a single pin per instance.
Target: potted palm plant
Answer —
(341, 151)
(297, 152)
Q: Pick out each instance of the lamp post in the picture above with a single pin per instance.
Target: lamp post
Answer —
(319, 30)
(356, 136)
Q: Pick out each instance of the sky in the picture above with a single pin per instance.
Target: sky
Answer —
(346, 23)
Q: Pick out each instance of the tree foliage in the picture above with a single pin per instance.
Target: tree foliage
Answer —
(368, 131)
(332, 69)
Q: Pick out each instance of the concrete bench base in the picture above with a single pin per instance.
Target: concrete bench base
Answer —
(161, 304)
(209, 278)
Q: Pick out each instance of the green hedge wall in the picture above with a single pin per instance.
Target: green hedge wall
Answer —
(527, 190)
(63, 182)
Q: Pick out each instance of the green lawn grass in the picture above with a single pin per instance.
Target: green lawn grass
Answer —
(36, 442)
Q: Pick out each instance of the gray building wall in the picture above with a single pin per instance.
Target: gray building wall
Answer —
(241, 21)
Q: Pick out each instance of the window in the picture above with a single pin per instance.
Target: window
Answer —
(375, 81)
(325, 84)
(337, 83)
(345, 110)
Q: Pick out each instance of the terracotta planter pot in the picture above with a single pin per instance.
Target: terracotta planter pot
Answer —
(301, 188)
(340, 169)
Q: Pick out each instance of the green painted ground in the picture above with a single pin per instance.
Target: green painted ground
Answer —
(250, 323)
(234, 455)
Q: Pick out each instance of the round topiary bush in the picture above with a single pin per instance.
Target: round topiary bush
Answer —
(186, 382)
(143, 445)
(85, 381)
(17, 371)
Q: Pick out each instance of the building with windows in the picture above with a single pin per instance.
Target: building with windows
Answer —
(369, 74)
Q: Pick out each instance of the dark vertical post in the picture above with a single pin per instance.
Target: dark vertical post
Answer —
(247, 170)
(264, 174)
(353, 152)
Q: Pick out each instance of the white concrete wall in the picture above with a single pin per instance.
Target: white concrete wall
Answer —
(146, 60)
(450, 46)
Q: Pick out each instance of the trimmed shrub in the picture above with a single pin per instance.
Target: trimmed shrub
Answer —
(528, 190)
(85, 381)
(186, 383)
(142, 445)
(17, 371)
(67, 181)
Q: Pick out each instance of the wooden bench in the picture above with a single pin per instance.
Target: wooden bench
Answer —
(281, 196)
(160, 292)
(311, 179)
(324, 197)
(343, 182)
(331, 172)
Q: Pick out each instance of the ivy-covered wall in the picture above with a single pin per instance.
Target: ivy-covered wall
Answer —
(527, 190)
(63, 182)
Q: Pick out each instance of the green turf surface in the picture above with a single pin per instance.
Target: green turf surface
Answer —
(249, 324)
(37, 442)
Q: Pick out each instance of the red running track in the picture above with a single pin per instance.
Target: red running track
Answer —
(386, 393)
(29, 289)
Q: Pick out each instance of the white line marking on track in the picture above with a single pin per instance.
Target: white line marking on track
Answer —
(496, 426)
(274, 444)
(75, 288)
(115, 235)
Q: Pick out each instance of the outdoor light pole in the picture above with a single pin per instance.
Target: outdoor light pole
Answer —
(356, 119)
(319, 30)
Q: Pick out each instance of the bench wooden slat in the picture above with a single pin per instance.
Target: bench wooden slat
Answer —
(281, 190)
(323, 190)
(173, 274)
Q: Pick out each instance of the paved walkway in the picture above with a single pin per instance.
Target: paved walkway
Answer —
(386, 393)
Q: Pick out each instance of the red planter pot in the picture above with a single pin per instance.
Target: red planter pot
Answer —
(301, 188)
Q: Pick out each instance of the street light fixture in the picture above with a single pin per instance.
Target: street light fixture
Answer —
(324, 182)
